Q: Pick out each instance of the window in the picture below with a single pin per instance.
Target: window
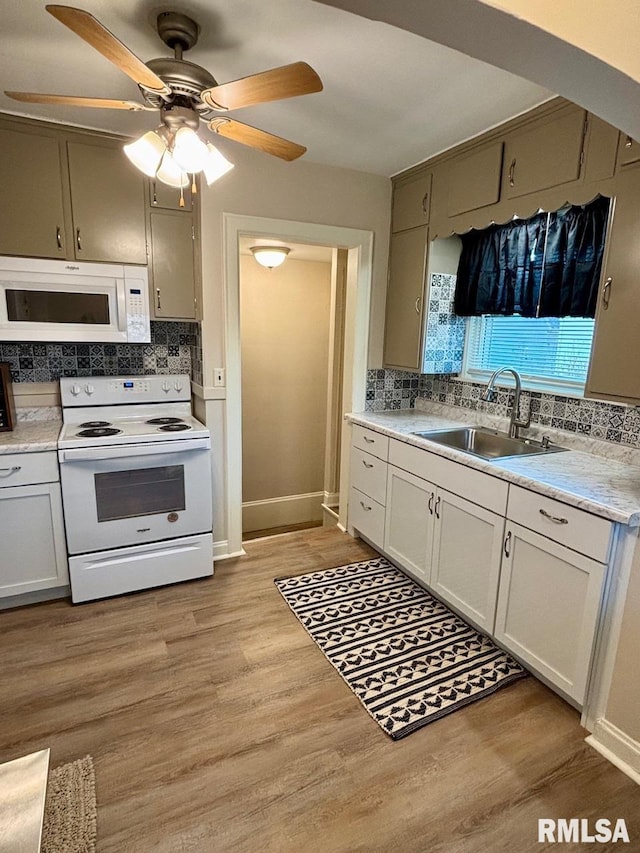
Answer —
(550, 353)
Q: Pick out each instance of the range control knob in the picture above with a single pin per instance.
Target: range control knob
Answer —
(75, 390)
(166, 387)
(178, 386)
(89, 389)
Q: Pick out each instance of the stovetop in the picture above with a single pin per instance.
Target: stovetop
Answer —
(127, 410)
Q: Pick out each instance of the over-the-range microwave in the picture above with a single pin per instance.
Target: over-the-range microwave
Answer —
(42, 300)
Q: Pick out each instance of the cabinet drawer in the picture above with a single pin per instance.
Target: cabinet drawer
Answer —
(366, 516)
(479, 488)
(369, 475)
(27, 469)
(583, 532)
(371, 442)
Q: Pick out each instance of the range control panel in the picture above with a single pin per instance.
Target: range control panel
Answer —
(114, 390)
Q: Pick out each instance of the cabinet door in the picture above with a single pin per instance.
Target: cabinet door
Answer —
(467, 548)
(411, 203)
(108, 203)
(172, 265)
(548, 608)
(547, 154)
(408, 532)
(474, 180)
(628, 150)
(33, 554)
(405, 290)
(615, 354)
(31, 213)
(168, 198)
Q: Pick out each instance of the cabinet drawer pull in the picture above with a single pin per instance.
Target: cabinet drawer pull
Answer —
(58, 237)
(368, 440)
(507, 540)
(365, 507)
(557, 519)
(606, 292)
(367, 464)
(435, 509)
(425, 200)
(7, 472)
(78, 242)
(418, 304)
(512, 171)
(431, 503)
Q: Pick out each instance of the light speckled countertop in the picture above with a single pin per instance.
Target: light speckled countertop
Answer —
(31, 437)
(600, 485)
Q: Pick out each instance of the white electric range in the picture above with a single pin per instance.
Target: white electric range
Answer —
(135, 471)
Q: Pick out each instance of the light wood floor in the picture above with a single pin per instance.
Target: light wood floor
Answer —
(216, 725)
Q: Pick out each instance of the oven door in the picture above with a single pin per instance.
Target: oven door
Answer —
(131, 494)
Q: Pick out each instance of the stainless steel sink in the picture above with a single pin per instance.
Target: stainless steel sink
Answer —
(487, 443)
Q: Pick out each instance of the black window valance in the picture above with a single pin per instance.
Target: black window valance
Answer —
(545, 266)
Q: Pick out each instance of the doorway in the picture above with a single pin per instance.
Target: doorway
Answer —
(358, 245)
(292, 336)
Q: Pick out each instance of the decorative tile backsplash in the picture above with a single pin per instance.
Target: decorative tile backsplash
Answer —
(394, 389)
(391, 389)
(444, 334)
(174, 348)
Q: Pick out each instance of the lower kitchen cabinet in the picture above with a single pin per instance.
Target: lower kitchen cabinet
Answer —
(465, 561)
(408, 532)
(548, 607)
(33, 555)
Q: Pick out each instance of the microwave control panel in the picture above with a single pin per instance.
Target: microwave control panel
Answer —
(138, 326)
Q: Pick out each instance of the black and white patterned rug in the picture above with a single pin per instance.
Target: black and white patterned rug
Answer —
(406, 656)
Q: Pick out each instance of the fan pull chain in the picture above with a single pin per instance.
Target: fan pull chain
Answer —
(181, 195)
(194, 188)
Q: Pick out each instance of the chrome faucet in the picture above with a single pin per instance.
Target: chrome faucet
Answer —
(514, 423)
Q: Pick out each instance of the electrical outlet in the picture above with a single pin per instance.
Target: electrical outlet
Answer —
(218, 377)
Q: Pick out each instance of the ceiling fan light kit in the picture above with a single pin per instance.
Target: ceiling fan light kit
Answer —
(185, 94)
(270, 256)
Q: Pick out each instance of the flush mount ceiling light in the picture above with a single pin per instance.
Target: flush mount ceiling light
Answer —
(270, 256)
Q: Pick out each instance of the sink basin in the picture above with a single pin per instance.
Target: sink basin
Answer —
(487, 443)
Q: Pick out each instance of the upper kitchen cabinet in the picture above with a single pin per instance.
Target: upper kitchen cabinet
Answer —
(168, 198)
(474, 180)
(173, 268)
(411, 202)
(546, 153)
(615, 355)
(107, 202)
(628, 150)
(32, 221)
(405, 291)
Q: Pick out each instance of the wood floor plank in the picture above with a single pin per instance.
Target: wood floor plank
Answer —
(217, 726)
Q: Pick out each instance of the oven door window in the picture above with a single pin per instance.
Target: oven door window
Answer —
(143, 491)
(49, 306)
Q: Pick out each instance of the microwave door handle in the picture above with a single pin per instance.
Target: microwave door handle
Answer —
(90, 454)
(121, 306)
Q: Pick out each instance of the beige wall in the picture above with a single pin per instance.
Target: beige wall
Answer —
(303, 192)
(285, 360)
(623, 707)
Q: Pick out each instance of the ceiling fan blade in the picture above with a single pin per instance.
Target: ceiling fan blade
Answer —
(288, 81)
(256, 138)
(73, 101)
(92, 31)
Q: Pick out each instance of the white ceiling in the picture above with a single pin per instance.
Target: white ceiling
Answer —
(390, 99)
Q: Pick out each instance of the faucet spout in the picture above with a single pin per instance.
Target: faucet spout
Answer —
(515, 423)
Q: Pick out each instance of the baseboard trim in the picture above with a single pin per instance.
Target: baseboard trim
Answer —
(617, 747)
(221, 551)
(281, 511)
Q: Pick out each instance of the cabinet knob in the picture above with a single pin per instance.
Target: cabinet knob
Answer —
(425, 204)
(512, 171)
(418, 304)
(58, 237)
(507, 551)
(78, 241)
(628, 142)
(606, 292)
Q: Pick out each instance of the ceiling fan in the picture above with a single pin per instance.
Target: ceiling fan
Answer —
(184, 93)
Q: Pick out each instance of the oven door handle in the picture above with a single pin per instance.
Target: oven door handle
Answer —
(90, 454)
